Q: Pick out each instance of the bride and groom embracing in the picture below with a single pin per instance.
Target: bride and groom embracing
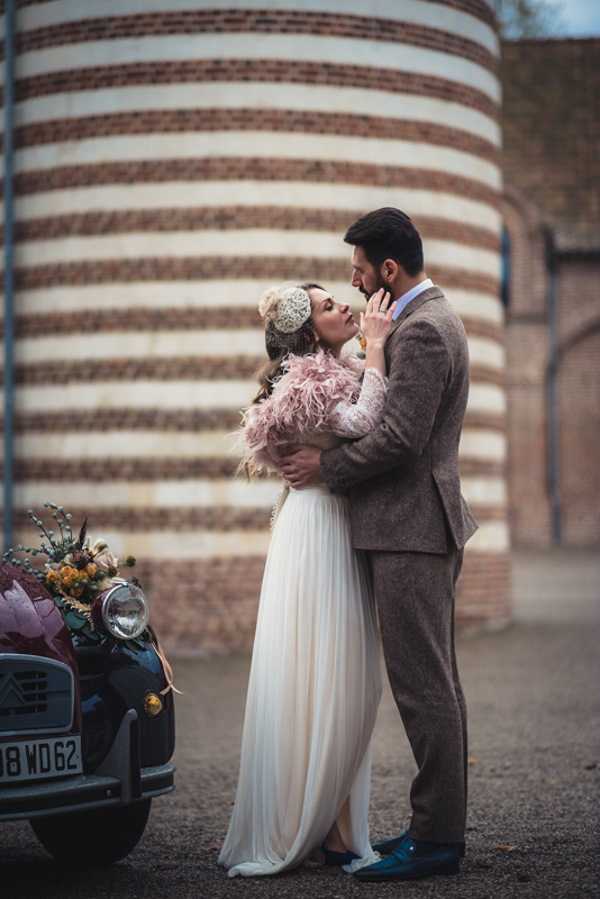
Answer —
(366, 547)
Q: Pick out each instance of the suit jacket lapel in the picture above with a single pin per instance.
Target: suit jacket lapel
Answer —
(432, 293)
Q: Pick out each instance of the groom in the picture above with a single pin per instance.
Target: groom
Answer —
(408, 514)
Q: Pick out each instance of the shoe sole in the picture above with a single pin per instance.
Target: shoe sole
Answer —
(381, 851)
(447, 869)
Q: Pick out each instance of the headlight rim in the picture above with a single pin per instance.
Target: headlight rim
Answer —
(104, 600)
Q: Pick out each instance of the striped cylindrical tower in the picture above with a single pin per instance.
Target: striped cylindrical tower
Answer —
(174, 157)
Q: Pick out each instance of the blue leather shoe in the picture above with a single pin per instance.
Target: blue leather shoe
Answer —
(386, 847)
(412, 860)
(337, 858)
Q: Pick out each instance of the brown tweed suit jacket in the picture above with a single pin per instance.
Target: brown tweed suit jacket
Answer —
(403, 478)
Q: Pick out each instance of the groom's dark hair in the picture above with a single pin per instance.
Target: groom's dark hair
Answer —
(388, 233)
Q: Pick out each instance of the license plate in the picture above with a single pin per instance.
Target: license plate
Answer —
(31, 759)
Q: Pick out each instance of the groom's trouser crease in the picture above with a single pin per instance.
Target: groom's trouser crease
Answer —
(415, 594)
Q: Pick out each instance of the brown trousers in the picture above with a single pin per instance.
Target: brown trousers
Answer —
(415, 594)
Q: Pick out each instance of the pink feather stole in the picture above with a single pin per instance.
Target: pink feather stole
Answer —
(302, 401)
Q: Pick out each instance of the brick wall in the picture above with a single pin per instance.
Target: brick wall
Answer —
(551, 164)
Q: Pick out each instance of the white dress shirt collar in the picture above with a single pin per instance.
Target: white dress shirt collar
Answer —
(403, 301)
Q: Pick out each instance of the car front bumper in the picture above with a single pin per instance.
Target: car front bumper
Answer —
(118, 781)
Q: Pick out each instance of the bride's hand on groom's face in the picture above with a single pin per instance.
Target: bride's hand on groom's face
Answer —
(376, 320)
(300, 467)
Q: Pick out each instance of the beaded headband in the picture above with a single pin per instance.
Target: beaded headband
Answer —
(287, 307)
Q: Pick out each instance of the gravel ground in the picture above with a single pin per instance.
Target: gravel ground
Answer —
(533, 828)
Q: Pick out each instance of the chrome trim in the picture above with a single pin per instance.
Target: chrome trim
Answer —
(36, 660)
(122, 582)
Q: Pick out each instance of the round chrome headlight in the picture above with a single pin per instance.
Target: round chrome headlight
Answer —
(125, 611)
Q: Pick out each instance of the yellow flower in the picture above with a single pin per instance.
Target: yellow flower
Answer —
(68, 574)
(52, 576)
(91, 569)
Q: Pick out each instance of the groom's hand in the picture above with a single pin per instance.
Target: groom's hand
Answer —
(300, 467)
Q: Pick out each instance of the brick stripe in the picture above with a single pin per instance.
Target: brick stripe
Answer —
(212, 267)
(215, 604)
(199, 368)
(127, 419)
(176, 319)
(472, 467)
(163, 121)
(151, 518)
(251, 70)
(477, 8)
(268, 21)
(477, 327)
(207, 368)
(484, 374)
(486, 420)
(217, 518)
(233, 217)
(109, 469)
(114, 468)
(171, 420)
(255, 169)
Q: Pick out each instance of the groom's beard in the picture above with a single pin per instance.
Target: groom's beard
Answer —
(379, 285)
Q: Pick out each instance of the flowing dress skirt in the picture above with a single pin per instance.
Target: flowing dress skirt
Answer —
(312, 698)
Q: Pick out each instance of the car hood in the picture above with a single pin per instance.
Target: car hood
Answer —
(30, 622)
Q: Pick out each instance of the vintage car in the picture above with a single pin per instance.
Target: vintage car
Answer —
(87, 727)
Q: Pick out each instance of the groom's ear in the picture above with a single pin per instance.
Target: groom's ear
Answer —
(389, 270)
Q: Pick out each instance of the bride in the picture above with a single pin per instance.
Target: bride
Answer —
(315, 684)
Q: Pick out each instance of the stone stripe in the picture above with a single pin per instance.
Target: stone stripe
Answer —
(242, 146)
(186, 394)
(100, 470)
(214, 197)
(301, 47)
(219, 518)
(219, 348)
(161, 121)
(177, 544)
(261, 169)
(492, 536)
(483, 444)
(194, 493)
(487, 398)
(172, 420)
(371, 29)
(488, 444)
(232, 218)
(277, 268)
(473, 18)
(237, 294)
(242, 244)
(200, 94)
(219, 73)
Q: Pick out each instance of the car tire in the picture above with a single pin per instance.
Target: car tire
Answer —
(95, 837)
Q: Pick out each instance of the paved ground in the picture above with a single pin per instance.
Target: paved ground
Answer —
(534, 703)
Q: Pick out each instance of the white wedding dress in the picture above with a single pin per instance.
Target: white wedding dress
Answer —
(315, 679)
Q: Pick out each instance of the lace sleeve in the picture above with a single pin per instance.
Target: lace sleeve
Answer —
(353, 362)
(359, 418)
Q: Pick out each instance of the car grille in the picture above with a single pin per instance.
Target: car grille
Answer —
(35, 694)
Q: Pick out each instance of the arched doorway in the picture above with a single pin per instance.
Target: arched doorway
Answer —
(579, 417)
